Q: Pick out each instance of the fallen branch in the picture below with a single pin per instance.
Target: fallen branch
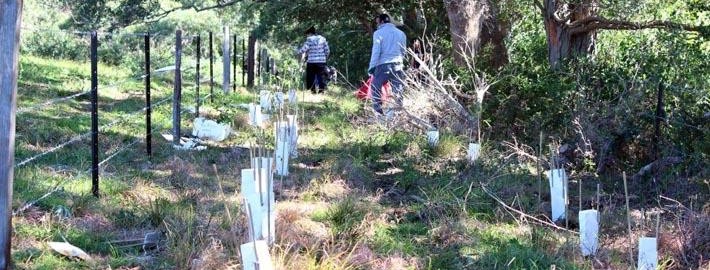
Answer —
(523, 214)
(656, 166)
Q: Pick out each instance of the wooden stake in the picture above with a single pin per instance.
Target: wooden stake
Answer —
(10, 20)
(580, 194)
(628, 218)
(597, 197)
(539, 171)
(658, 224)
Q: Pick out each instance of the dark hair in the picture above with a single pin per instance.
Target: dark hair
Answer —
(311, 30)
(384, 18)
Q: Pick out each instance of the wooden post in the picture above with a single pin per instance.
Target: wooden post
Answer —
(197, 75)
(250, 61)
(234, 64)
(94, 115)
(177, 88)
(660, 115)
(148, 109)
(225, 60)
(211, 70)
(258, 65)
(267, 63)
(10, 18)
(244, 62)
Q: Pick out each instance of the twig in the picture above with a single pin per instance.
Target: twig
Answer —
(521, 213)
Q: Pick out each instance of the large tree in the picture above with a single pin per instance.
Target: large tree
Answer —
(571, 27)
(475, 24)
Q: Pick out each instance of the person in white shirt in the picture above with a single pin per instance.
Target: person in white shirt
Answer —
(317, 51)
(387, 60)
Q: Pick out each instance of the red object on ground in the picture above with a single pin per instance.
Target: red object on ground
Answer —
(364, 92)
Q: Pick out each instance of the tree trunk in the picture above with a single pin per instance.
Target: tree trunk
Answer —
(563, 41)
(410, 18)
(474, 24)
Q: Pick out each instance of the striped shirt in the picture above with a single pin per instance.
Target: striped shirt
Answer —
(316, 48)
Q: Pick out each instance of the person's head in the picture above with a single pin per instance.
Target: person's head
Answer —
(382, 19)
(311, 31)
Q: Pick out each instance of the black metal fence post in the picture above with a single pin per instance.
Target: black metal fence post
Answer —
(234, 64)
(148, 110)
(211, 70)
(94, 116)
(267, 62)
(197, 72)
(177, 88)
(244, 62)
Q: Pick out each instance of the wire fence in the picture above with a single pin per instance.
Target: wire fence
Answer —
(123, 118)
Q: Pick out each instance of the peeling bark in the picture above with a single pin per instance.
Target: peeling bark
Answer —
(474, 24)
(564, 41)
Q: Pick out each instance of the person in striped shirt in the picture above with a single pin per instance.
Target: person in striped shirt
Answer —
(316, 50)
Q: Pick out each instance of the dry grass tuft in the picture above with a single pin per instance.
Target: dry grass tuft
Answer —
(299, 231)
(689, 243)
(181, 172)
(213, 256)
(396, 262)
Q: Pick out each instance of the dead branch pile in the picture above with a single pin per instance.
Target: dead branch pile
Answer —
(435, 100)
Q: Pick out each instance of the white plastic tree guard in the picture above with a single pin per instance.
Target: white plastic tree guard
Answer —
(282, 157)
(255, 256)
(265, 165)
(433, 137)
(265, 99)
(257, 189)
(589, 232)
(648, 254)
(557, 179)
(265, 117)
(293, 134)
(283, 147)
(255, 117)
(474, 151)
(278, 99)
(292, 97)
(258, 214)
(255, 183)
(211, 130)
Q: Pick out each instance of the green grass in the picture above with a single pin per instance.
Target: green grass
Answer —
(404, 238)
(121, 206)
(388, 191)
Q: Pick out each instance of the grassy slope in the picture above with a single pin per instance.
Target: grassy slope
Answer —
(359, 197)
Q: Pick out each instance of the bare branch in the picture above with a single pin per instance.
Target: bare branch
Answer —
(219, 4)
(523, 214)
(657, 165)
(539, 5)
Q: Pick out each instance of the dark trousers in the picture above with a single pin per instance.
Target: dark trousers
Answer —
(314, 74)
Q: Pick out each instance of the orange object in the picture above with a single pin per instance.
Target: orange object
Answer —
(364, 92)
